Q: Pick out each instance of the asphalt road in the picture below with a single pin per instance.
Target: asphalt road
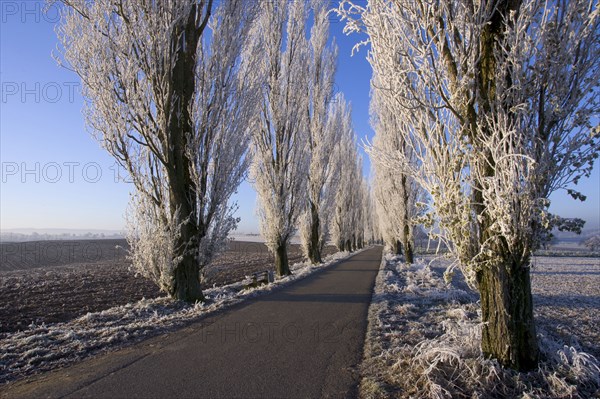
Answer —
(304, 341)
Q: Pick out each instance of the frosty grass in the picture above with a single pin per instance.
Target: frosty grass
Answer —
(423, 342)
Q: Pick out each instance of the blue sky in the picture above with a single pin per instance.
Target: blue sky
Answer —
(55, 175)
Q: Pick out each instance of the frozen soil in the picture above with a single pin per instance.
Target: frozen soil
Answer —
(46, 282)
(566, 295)
(423, 337)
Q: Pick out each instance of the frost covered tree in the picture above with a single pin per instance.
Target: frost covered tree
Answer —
(321, 137)
(592, 243)
(346, 217)
(279, 132)
(397, 194)
(357, 211)
(172, 104)
(362, 212)
(396, 208)
(500, 102)
(371, 230)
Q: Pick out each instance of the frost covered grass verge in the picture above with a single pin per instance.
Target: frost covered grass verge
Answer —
(45, 347)
(423, 341)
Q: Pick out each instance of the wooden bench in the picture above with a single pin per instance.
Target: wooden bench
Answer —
(261, 278)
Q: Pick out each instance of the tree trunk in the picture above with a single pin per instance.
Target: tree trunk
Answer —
(349, 245)
(187, 281)
(182, 189)
(282, 266)
(314, 248)
(508, 333)
(408, 246)
(186, 276)
(397, 248)
(408, 252)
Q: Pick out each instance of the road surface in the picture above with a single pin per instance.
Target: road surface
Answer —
(304, 340)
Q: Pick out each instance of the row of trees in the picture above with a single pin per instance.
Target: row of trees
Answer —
(398, 197)
(489, 107)
(188, 96)
(303, 142)
(304, 153)
(352, 220)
